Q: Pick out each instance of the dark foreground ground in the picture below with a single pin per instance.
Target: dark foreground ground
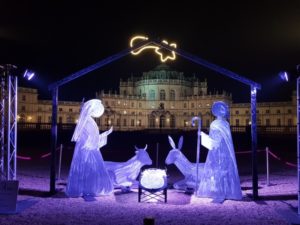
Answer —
(277, 203)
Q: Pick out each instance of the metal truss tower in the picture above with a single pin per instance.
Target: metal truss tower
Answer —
(8, 123)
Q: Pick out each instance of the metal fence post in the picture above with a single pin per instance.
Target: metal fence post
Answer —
(267, 165)
(59, 162)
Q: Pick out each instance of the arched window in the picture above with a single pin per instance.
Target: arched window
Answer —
(173, 122)
(162, 120)
(152, 95)
(172, 95)
(152, 121)
(162, 95)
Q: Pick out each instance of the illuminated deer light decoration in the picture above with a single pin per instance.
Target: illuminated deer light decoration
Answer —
(188, 169)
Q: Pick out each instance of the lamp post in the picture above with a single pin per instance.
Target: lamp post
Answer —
(198, 147)
(298, 138)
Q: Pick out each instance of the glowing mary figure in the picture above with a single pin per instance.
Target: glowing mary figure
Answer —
(88, 175)
(220, 178)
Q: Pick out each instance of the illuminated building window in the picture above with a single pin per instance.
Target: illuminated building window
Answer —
(140, 105)
(152, 121)
(162, 95)
(162, 120)
(139, 123)
(106, 121)
(70, 119)
(172, 95)
(258, 122)
(173, 121)
(132, 122)
(49, 119)
(247, 122)
(186, 123)
(152, 95)
(278, 122)
(184, 105)
(207, 123)
(124, 122)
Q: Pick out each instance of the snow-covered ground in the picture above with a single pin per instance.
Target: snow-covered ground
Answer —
(277, 204)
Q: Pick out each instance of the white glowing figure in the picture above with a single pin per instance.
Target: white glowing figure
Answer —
(124, 174)
(220, 178)
(153, 179)
(188, 169)
(156, 48)
(88, 175)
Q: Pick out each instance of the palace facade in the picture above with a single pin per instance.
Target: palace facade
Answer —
(159, 99)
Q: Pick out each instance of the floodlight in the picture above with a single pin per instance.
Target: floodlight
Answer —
(28, 74)
(284, 76)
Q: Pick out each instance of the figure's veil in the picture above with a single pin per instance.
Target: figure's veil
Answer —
(88, 110)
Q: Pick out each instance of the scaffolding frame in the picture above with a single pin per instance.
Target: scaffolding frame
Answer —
(8, 123)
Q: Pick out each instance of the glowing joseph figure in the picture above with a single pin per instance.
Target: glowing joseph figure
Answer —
(220, 179)
(88, 175)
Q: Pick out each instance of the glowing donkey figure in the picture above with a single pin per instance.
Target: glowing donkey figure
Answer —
(124, 174)
(188, 169)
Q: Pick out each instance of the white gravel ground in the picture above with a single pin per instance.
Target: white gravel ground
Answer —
(278, 204)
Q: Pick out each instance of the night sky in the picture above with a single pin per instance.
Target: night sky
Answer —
(255, 39)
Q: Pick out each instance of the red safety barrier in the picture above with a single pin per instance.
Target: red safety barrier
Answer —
(23, 157)
(272, 154)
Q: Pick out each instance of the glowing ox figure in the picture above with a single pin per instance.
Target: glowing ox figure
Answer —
(188, 169)
(124, 174)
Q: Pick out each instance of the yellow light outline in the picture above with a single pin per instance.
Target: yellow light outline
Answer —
(156, 48)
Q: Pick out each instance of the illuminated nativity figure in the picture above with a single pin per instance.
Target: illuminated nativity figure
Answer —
(88, 175)
(220, 179)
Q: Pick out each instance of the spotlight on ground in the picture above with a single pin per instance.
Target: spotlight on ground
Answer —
(28, 74)
(284, 76)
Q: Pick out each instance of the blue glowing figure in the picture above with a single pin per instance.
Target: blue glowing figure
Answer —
(188, 169)
(88, 175)
(124, 174)
(220, 179)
